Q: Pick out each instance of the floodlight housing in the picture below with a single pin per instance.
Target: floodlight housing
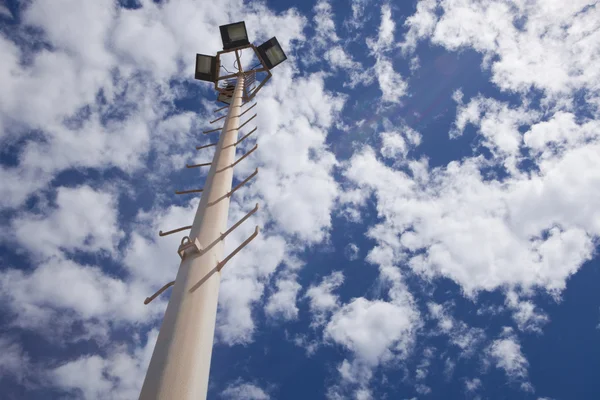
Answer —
(206, 68)
(271, 53)
(234, 35)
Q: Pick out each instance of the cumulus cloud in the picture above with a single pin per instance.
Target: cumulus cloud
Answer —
(352, 251)
(391, 83)
(502, 234)
(507, 355)
(545, 45)
(119, 375)
(14, 362)
(239, 390)
(283, 302)
(321, 299)
(375, 332)
(466, 338)
(84, 219)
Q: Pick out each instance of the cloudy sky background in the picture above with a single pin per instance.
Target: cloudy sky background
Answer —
(429, 187)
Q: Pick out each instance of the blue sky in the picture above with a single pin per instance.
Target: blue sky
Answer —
(429, 181)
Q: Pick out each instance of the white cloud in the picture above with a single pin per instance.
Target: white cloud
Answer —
(339, 58)
(4, 11)
(84, 219)
(59, 292)
(391, 83)
(358, 14)
(506, 354)
(526, 314)
(372, 330)
(321, 299)
(324, 25)
(466, 338)
(396, 144)
(519, 232)
(119, 375)
(352, 252)
(239, 390)
(282, 303)
(472, 385)
(548, 45)
(14, 362)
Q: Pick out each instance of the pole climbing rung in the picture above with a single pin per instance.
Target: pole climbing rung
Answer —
(222, 108)
(242, 125)
(218, 119)
(160, 233)
(248, 109)
(240, 141)
(188, 191)
(212, 130)
(240, 159)
(197, 165)
(221, 264)
(224, 235)
(205, 146)
(242, 183)
(155, 295)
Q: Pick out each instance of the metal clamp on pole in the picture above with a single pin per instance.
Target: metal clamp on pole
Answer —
(221, 264)
(242, 125)
(240, 159)
(197, 165)
(242, 139)
(189, 191)
(160, 233)
(188, 247)
(155, 295)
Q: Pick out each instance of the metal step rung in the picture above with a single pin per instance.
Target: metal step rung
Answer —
(239, 185)
(205, 146)
(242, 125)
(158, 293)
(221, 264)
(197, 165)
(160, 233)
(240, 159)
(189, 191)
(228, 231)
(242, 139)
(212, 130)
(248, 109)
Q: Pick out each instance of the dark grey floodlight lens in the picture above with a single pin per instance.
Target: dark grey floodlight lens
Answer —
(206, 68)
(271, 53)
(234, 35)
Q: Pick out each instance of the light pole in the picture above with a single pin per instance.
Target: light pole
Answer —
(180, 364)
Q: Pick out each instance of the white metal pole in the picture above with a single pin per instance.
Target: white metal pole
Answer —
(180, 364)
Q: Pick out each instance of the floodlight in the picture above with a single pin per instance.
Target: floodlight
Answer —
(234, 35)
(206, 68)
(271, 53)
